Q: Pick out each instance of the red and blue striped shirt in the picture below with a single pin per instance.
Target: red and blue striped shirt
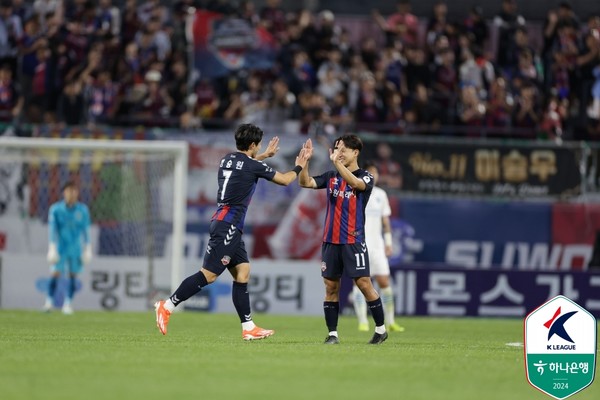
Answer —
(345, 218)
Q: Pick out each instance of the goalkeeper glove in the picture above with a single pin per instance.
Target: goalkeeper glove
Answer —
(52, 255)
(87, 254)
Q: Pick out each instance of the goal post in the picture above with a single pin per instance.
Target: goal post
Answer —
(129, 182)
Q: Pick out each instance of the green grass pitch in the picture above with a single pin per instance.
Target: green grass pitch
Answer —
(102, 355)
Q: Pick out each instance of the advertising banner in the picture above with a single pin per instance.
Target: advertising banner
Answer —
(447, 291)
(496, 235)
(476, 168)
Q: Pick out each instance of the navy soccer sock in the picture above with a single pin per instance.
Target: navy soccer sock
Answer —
(189, 287)
(241, 301)
(376, 311)
(52, 286)
(332, 312)
(71, 287)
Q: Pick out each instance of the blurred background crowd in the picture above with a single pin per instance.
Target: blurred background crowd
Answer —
(78, 62)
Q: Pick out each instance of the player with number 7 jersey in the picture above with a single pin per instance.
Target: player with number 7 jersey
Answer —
(238, 175)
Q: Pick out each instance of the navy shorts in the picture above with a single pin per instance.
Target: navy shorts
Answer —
(225, 248)
(351, 259)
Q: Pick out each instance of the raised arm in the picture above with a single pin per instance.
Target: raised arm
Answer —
(271, 150)
(334, 156)
(304, 178)
(286, 178)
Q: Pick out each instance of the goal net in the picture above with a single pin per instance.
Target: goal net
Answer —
(135, 191)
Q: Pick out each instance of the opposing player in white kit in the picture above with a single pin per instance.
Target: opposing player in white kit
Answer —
(378, 234)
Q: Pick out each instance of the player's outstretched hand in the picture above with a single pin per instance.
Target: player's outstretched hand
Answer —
(272, 147)
(308, 148)
(304, 155)
(334, 154)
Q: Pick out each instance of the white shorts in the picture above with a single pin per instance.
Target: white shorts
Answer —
(378, 262)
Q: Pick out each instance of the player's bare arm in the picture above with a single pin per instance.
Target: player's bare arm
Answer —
(271, 150)
(304, 178)
(339, 156)
(286, 178)
(387, 235)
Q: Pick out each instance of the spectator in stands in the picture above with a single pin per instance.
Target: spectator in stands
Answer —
(438, 23)
(471, 110)
(282, 103)
(507, 21)
(11, 100)
(101, 96)
(476, 71)
(527, 113)
(499, 105)
(416, 69)
(11, 31)
(424, 114)
(393, 114)
(552, 123)
(555, 19)
(272, 18)
(176, 86)
(402, 25)
(475, 26)
(445, 79)
(588, 63)
(370, 107)
(301, 78)
(155, 107)
(45, 8)
(130, 22)
(519, 45)
(313, 112)
(254, 98)
(71, 104)
(390, 170)
(39, 85)
(22, 9)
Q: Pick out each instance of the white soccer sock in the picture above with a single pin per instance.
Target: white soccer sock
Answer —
(333, 333)
(387, 298)
(360, 305)
(380, 329)
(169, 306)
(248, 325)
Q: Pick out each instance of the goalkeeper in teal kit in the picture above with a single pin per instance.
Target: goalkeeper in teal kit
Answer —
(69, 243)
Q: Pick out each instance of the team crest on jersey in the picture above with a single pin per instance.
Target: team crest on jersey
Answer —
(323, 266)
(225, 260)
(335, 181)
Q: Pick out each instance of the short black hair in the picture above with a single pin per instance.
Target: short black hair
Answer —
(69, 184)
(351, 141)
(246, 134)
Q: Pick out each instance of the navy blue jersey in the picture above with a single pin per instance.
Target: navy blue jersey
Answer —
(345, 219)
(238, 175)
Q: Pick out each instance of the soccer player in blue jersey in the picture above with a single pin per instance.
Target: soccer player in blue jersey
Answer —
(237, 177)
(344, 249)
(69, 243)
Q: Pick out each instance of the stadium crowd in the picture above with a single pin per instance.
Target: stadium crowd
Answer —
(95, 62)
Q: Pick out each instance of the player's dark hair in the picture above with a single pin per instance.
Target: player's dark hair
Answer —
(351, 141)
(69, 184)
(246, 134)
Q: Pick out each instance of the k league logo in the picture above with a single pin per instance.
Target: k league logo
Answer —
(560, 347)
